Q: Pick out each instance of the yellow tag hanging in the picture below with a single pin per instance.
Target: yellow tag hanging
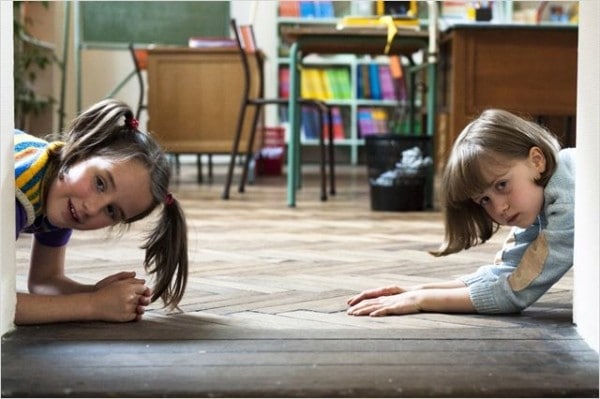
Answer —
(391, 31)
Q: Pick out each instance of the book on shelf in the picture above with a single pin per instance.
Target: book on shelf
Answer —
(307, 9)
(374, 85)
(324, 9)
(376, 81)
(310, 123)
(289, 9)
(339, 132)
(284, 82)
(380, 120)
(398, 77)
(388, 91)
(325, 83)
(343, 83)
(366, 126)
(372, 121)
(312, 85)
(365, 80)
(327, 89)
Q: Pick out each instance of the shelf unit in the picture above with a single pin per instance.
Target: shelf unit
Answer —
(350, 108)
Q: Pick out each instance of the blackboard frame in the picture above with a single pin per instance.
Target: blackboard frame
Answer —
(113, 25)
(151, 22)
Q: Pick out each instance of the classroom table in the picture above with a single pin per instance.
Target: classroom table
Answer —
(529, 69)
(370, 40)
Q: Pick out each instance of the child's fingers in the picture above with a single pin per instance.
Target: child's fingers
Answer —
(377, 292)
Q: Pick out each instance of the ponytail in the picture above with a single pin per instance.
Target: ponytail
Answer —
(167, 255)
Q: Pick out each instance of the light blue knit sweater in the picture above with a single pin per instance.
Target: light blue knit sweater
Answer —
(535, 258)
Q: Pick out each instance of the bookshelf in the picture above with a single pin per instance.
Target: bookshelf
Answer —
(369, 94)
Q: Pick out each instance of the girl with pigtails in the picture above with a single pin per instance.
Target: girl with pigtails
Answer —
(103, 172)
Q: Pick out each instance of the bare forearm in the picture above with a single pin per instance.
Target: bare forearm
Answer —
(446, 300)
(58, 285)
(40, 309)
(440, 284)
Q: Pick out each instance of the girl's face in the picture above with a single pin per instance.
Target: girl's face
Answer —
(98, 192)
(513, 198)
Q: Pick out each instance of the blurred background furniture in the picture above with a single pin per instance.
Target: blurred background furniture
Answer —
(253, 98)
(193, 96)
(139, 57)
(527, 69)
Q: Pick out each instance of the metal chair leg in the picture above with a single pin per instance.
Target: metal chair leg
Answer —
(249, 154)
(321, 111)
(331, 153)
(234, 151)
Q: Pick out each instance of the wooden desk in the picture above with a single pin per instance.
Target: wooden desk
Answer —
(528, 69)
(330, 40)
(194, 98)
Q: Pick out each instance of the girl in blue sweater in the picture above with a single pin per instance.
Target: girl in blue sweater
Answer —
(105, 173)
(503, 170)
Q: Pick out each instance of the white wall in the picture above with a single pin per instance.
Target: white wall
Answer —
(7, 172)
(587, 208)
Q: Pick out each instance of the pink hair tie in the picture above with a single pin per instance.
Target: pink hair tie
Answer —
(168, 199)
(132, 123)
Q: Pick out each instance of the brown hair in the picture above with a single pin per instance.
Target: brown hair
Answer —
(106, 130)
(496, 137)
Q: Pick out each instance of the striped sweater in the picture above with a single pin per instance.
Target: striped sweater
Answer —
(31, 164)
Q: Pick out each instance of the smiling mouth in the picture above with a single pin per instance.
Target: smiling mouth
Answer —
(512, 219)
(73, 212)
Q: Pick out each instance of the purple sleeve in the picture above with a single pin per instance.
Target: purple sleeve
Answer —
(54, 238)
(21, 217)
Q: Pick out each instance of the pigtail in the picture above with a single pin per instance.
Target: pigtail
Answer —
(167, 255)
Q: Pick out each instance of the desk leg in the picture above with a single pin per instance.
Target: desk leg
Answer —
(294, 118)
(431, 128)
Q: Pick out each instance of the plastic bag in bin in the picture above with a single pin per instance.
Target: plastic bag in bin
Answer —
(412, 165)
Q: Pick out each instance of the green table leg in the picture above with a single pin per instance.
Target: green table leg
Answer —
(294, 118)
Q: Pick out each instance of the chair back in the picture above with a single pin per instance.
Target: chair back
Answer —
(250, 54)
(140, 62)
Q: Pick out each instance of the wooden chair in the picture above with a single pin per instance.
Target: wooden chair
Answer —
(140, 62)
(254, 83)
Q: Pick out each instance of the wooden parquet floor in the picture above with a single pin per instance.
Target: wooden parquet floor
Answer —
(264, 311)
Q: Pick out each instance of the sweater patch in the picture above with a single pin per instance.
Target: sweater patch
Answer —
(531, 265)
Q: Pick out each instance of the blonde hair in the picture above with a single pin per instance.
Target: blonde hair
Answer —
(495, 138)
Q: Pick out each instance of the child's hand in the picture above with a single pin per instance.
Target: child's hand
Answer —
(375, 293)
(113, 278)
(121, 300)
(144, 301)
(385, 304)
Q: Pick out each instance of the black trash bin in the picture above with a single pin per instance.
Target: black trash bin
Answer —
(406, 193)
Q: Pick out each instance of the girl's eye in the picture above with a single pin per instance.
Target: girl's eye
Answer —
(501, 185)
(110, 210)
(100, 184)
(484, 201)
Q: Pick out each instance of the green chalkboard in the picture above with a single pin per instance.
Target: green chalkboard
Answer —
(147, 22)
